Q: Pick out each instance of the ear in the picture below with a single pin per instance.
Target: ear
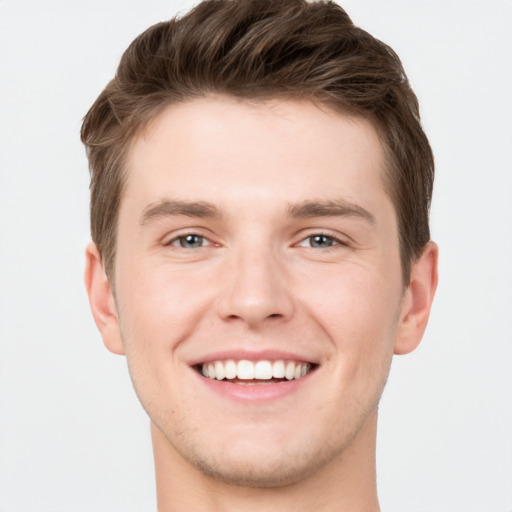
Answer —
(102, 302)
(417, 301)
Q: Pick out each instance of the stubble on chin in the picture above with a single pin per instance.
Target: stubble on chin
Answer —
(291, 465)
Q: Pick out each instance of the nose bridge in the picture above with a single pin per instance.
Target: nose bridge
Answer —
(256, 285)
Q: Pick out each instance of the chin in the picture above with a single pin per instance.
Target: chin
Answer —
(278, 472)
(261, 461)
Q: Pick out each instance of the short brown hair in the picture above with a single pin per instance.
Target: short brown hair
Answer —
(262, 49)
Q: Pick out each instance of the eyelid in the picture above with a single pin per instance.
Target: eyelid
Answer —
(342, 240)
(339, 239)
(175, 241)
(170, 238)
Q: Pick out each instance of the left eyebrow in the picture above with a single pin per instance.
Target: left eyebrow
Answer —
(166, 208)
(329, 208)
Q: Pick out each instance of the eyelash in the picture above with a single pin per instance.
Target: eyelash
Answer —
(180, 240)
(334, 239)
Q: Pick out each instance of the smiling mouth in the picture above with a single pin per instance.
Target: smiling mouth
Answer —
(255, 372)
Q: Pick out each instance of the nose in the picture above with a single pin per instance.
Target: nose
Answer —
(256, 288)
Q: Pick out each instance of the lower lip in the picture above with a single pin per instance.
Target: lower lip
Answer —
(251, 392)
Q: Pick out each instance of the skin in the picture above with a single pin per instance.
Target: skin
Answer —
(254, 282)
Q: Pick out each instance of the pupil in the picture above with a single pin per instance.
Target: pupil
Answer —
(191, 241)
(321, 241)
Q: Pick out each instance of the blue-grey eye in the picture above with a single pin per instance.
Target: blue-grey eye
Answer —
(320, 241)
(190, 241)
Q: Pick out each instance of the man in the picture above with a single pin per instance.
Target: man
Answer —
(260, 187)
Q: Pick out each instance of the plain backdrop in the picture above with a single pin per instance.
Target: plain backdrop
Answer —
(73, 437)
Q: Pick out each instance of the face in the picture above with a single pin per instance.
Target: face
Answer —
(258, 284)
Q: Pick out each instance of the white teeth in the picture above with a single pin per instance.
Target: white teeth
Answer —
(278, 370)
(220, 373)
(230, 368)
(255, 370)
(263, 370)
(245, 370)
(289, 371)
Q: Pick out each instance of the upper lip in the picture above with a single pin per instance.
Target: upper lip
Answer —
(260, 355)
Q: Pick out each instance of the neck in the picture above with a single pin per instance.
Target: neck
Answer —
(347, 483)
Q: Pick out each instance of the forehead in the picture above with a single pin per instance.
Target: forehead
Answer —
(226, 148)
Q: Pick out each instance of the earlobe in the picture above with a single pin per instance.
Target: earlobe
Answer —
(101, 300)
(417, 301)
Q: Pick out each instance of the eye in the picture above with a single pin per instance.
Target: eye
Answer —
(190, 241)
(320, 241)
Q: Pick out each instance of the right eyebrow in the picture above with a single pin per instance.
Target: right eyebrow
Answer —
(165, 208)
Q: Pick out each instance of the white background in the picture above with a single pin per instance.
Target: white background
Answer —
(72, 434)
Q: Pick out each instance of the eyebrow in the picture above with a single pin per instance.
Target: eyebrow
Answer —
(201, 209)
(329, 208)
(302, 210)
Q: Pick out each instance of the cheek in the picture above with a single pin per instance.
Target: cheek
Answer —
(359, 312)
(157, 312)
(161, 306)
